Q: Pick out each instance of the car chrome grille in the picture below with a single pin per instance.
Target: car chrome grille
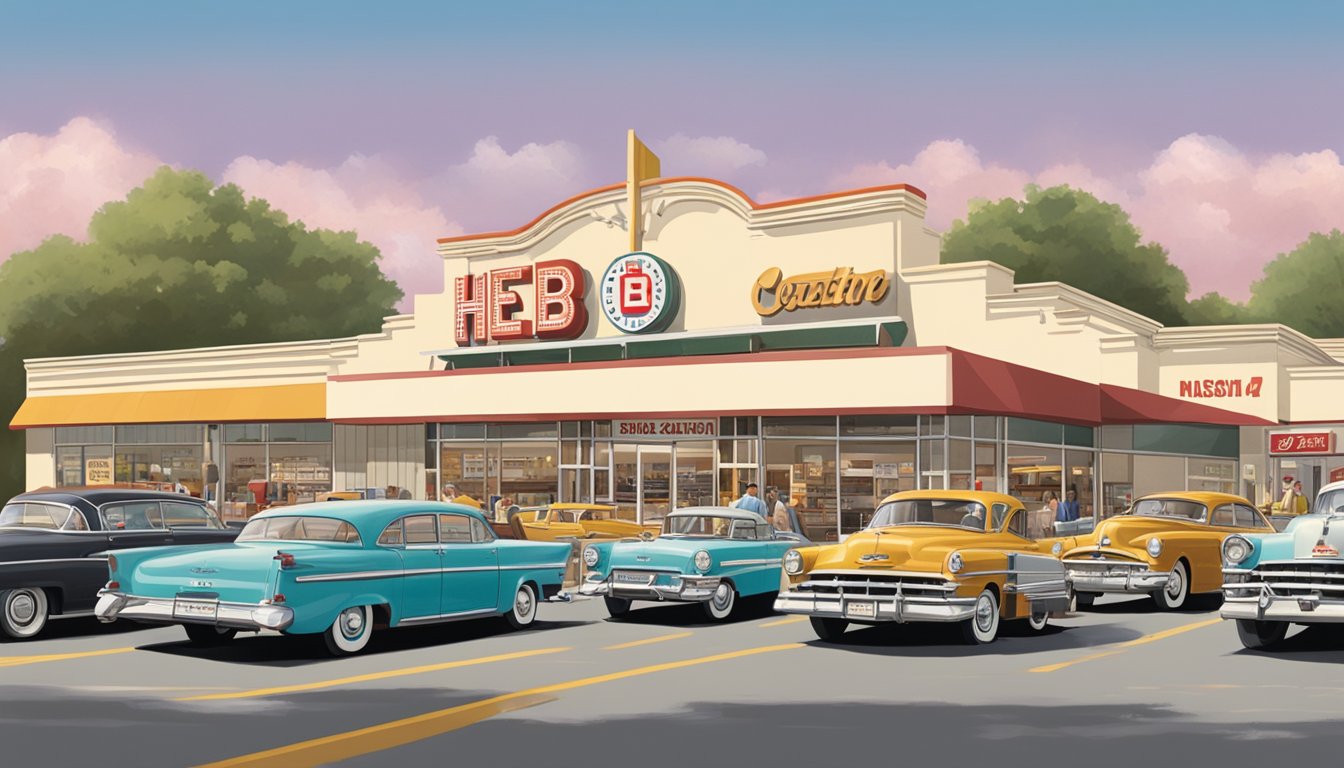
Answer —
(878, 584)
(1101, 568)
(1289, 580)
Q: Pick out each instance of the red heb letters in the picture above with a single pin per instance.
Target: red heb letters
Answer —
(487, 308)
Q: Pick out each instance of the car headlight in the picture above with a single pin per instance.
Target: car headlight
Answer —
(793, 562)
(954, 562)
(1055, 550)
(702, 561)
(590, 556)
(1105, 541)
(1236, 549)
(1155, 546)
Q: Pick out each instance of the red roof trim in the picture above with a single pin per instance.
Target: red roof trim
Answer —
(755, 206)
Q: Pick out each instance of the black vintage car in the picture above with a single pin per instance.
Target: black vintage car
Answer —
(54, 546)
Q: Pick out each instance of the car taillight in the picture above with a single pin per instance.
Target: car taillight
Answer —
(114, 585)
(112, 563)
(285, 558)
(279, 598)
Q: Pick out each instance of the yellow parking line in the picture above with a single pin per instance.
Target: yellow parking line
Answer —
(647, 641)
(351, 744)
(18, 661)
(1129, 644)
(790, 620)
(259, 692)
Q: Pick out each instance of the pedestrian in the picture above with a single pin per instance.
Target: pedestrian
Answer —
(751, 502)
(1300, 503)
(779, 515)
(1068, 509)
(1292, 494)
(502, 508)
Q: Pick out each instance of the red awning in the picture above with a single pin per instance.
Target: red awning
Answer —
(983, 385)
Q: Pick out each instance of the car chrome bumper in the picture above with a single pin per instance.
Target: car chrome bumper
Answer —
(1114, 576)
(885, 608)
(1296, 609)
(689, 589)
(117, 605)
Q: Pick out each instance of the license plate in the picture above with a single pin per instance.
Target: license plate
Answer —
(642, 579)
(195, 609)
(861, 610)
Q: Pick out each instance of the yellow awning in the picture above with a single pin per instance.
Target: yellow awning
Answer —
(286, 402)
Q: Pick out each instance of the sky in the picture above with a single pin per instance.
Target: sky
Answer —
(1216, 125)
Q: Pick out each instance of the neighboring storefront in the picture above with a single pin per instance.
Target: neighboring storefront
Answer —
(813, 346)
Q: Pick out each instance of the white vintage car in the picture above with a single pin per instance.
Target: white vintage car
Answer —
(1293, 577)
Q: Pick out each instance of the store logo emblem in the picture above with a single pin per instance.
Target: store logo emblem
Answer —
(1222, 387)
(639, 293)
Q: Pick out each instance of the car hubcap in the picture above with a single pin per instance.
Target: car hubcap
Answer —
(352, 623)
(721, 596)
(22, 608)
(1174, 584)
(984, 613)
(523, 604)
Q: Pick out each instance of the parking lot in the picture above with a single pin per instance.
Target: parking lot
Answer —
(1121, 684)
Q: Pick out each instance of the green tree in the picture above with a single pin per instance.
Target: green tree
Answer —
(179, 263)
(1301, 288)
(1067, 235)
(1217, 309)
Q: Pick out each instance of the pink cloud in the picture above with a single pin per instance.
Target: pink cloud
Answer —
(362, 194)
(53, 184)
(1221, 213)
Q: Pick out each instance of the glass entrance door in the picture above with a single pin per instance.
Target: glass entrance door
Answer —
(655, 482)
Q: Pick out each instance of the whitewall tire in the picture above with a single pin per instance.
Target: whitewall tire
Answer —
(720, 606)
(524, 609)
(1173, 596)
(1038, 623)
(983, 626)
(351, 630)
(23, 612)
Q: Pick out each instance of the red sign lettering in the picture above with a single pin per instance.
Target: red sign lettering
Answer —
(1301, 442)
(1200, 388)
(487, 308)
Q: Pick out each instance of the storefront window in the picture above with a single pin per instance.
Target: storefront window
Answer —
(245, 476)
(524, 431)
(986, 466)
(169, 464)
(932, 463)
(1078, 479)
(871, 426)
(190, 434)
(1033, 431)
(260, 473)
(319, 432)
(799, 426)
(1212, 475)
(695, 474)
(86, 465)
(462, 471)
(808, 470)
(1117, 483)
(528, 473)
(870, 472)
(1034, 472)
(959, 471)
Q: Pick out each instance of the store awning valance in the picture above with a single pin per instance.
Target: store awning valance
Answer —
(284, 402)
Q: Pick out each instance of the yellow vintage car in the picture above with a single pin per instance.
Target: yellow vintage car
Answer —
(580, 521)
(944, 556)
(1168, 545)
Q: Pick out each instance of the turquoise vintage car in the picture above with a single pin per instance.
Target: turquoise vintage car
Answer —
(707, 555)
(339, 569)
(1293, 577)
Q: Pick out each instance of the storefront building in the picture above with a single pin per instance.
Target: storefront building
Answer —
(813, 346)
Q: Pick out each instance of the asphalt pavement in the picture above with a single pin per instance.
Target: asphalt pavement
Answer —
(1120, 684)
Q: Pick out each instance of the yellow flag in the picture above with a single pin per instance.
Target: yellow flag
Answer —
(641, 165)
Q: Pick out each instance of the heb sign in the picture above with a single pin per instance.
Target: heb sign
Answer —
(1200, 388)
(665, 428)
(1301, 442)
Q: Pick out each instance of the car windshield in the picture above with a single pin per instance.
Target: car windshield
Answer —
(177, 514)
(51, 517)
(297, 528)
(707, 526)
(950, 513)
(1330, 501)
(1178, 508)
